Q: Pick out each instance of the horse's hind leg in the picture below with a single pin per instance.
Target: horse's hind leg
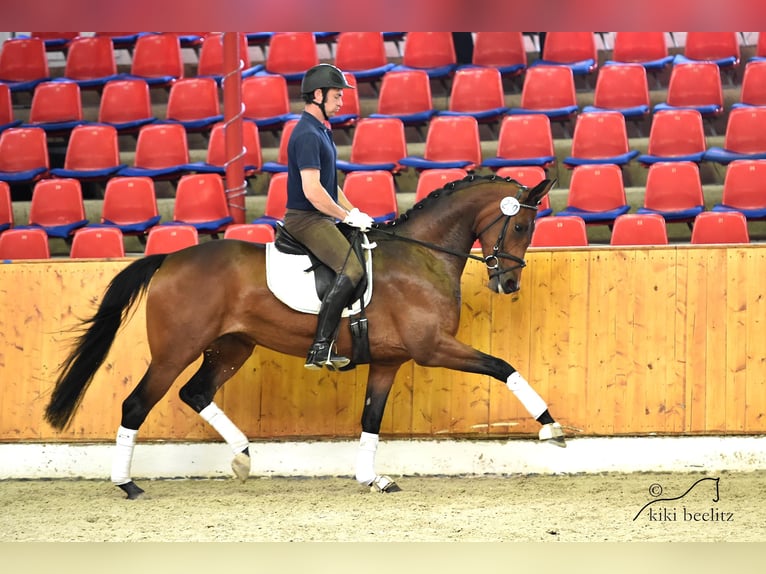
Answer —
(220, 361)
(153, 386)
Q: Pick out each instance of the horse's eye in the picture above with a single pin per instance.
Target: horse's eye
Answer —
(518, 228)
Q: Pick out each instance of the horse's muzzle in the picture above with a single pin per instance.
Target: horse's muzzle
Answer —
(504, 286)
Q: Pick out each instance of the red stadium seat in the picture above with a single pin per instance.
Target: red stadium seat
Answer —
(674, 190)
(23, 155)
(254, 232)
(433, 179)
(130, 204)
(596, 194)
(378, 143)
(711, 227)
(557, 231)
(675, 135)
(452, 141)
(201, 202)
(170, 238)
(126, 104)
(639, 229)
(23, 64)
(373, 192)
(524, 140)
(92, 153)
(276, 200)
(57, 207)
(24, 244)
(97, 242)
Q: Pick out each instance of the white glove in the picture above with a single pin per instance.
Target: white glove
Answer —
(359, 219)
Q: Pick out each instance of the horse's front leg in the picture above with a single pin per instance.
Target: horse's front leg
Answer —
(379, 383)
(452, 354)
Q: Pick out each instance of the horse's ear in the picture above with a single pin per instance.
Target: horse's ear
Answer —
(540, 190)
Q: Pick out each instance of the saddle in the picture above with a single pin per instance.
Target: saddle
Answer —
(293, 272)
(324, 277)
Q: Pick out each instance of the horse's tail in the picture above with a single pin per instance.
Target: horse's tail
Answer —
(91, 348)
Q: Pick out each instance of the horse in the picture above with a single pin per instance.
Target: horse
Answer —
(418, 260)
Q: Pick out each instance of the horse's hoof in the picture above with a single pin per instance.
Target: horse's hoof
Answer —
(132, 490)
(384, 484)
(553, 433)
(241, 466)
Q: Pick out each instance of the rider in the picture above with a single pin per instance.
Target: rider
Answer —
(315, 202)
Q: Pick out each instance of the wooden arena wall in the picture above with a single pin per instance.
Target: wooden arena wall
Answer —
(667, 340)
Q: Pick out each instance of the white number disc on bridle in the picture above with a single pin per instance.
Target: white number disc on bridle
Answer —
(510, 206)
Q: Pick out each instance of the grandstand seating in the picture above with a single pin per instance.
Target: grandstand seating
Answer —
(684, 138)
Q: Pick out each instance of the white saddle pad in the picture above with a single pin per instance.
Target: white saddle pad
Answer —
(289, 281)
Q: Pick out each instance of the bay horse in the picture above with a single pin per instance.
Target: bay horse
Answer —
(413, 314)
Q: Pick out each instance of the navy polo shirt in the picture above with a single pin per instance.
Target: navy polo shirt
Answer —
(310, 146)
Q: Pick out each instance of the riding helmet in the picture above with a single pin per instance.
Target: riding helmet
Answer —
(323, 76)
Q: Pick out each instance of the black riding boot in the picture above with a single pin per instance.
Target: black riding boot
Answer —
(321, 353)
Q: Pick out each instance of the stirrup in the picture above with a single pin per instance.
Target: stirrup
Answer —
(333, 362)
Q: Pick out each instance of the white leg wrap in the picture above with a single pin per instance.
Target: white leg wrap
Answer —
(123, 455)
(217, 419)
(365, 458)
(526, 394)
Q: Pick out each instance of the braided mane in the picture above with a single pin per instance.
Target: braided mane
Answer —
(447, 190)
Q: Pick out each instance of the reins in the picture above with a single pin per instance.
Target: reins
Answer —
(491, 261)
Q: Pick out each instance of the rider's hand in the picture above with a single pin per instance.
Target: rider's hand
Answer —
(359, 219)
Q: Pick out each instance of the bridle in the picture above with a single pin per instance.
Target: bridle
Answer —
(510, 207)
(492, 261)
